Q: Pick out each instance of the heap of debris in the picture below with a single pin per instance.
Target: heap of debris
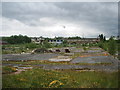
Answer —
(40, 50)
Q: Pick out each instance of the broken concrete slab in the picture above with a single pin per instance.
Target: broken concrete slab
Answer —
(94, 59)
(23, 57)
(60, 58)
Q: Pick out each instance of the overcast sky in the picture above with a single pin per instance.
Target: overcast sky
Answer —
(88, 19)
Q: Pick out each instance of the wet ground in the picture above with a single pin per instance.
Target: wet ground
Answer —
(92, 59)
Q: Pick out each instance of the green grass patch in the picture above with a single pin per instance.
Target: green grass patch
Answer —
(8, 69)
(39, 78)
(75, 55)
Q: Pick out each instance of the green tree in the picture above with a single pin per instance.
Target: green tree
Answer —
(65, 42)
(104, 39)
(101, 37)
(46, 45)
(20, 39)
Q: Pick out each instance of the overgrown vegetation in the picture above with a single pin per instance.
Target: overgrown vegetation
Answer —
(8, 69)
(18, 48)
(26, 47)
(111, 45)
(39, 78)
(19, 44)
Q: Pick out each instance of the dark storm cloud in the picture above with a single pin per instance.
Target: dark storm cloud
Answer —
(102, 16)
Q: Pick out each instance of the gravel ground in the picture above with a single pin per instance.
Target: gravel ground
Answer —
(114, 66)
(93, 51)
(94, 59)
(82, 67)
(109, 68)
(45, 56)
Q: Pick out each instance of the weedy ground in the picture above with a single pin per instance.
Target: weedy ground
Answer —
(39, 78)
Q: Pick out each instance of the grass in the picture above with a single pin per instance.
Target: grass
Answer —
(118, 50)
(19, 48)
(8, 69)
(39, 78)
(75, 55)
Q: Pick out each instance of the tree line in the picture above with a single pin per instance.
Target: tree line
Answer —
(17, 39)
(108, 45)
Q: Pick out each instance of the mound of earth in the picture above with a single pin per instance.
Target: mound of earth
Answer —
(40, 50)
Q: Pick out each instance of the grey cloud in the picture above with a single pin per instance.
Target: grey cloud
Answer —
(99, 15)
(102, 16)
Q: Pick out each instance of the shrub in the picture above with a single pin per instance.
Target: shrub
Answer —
(31, 45)
(46, 45)
(105, 46)
(112, 48)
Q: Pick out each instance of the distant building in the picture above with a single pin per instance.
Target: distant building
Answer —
(55, 41)
(37, 40)
(83, 40)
